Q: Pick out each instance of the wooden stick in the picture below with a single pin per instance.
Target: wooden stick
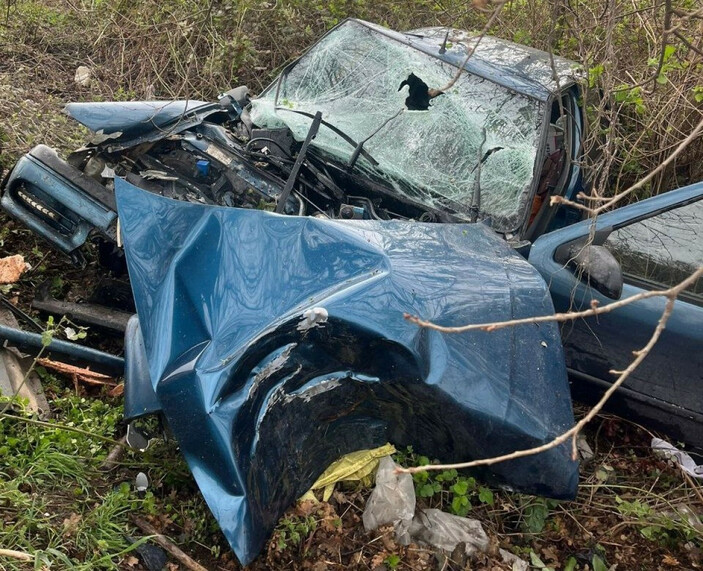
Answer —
(693, 484)
(114, 455)
(559, 317)
(78, 373)
(168, 545)
(21, 555)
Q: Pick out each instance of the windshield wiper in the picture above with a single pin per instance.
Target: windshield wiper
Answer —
(489, 152)
(336, 130)
(360, 146)
(280, 205)
(476, 195)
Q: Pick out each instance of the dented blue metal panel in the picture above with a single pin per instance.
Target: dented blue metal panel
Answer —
(276, 344)
(128, 123)
(518, 67)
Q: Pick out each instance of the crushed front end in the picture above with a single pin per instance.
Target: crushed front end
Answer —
(276, 344)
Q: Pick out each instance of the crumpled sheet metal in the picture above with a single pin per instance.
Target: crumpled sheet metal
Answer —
(262, 405)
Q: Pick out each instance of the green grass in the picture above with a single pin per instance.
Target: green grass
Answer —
(56, 505)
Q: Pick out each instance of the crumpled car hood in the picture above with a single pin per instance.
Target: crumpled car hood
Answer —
(276, 344)
(128, 123)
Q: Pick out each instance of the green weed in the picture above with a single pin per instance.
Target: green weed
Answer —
(447, 489)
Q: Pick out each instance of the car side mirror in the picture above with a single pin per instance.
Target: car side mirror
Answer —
(595, 265)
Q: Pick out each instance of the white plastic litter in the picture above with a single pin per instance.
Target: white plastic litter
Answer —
(142, 482)
(670, 452)
(393, 502)
(513, 560)
(585, 450)
(446, 531)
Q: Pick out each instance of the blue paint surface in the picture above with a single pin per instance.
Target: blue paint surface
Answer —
(261, 403)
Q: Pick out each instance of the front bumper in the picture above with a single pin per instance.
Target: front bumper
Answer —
(58, 202)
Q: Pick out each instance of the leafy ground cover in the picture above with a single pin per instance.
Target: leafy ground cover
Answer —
(57, 504)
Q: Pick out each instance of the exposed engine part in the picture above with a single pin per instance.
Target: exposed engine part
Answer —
(209, 159)
(350, 212)
(94, 167)
(278, 142)
(368, 207)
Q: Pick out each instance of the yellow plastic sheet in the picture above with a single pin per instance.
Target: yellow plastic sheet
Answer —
(356, 466)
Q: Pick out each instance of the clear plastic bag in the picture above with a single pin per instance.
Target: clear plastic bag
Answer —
(393, 502)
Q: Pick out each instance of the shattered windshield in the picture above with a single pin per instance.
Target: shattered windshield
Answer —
(353, 76)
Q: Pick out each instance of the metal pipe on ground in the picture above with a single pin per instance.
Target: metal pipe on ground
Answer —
(65, 350)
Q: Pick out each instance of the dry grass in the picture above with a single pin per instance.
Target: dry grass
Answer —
(643, 94)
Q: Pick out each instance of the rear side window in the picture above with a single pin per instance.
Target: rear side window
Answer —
(662, 250)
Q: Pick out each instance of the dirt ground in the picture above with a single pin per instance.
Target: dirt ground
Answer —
(633, 510)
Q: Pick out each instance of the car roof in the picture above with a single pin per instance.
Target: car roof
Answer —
(523, 69)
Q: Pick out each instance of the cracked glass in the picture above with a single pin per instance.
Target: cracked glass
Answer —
(353, 77)
(664, 249)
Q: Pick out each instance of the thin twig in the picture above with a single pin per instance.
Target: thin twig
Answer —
(559, 317)
(693, 484)
(664, 40)
(168, 545)
(21, 555)
(113, 457)
(611, 201)
(470, 50)
(671, 295)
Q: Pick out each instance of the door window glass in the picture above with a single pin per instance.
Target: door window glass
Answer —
(664, 249)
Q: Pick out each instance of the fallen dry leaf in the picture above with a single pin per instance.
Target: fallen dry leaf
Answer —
(378, 559)
(305, 508)
(117, 391)
(70, 524)
(131, 561)
(12, 268)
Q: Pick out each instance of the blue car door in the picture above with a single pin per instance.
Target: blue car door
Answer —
(657, 242)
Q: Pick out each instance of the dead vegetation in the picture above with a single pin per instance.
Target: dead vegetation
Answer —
(645, 95)
(643, 61)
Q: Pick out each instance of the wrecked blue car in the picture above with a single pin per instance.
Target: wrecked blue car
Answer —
(274, 244)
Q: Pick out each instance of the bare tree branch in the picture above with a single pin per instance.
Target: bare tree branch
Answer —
(671, 295)
(559, 317)
(664, 39)
(470, 50)
(167, 544)
(611, 201)
(688, 44)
